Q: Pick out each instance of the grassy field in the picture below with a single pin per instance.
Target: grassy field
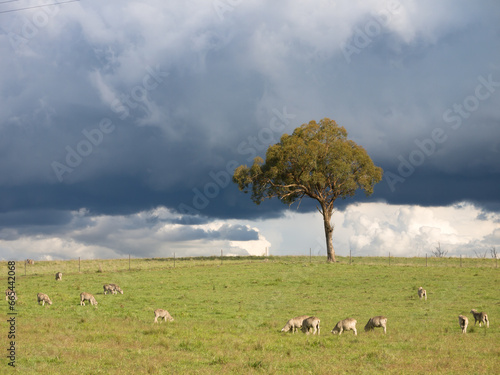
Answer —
(228, 317)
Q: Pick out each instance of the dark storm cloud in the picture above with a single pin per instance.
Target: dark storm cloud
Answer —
(120, 110)
(34, 218)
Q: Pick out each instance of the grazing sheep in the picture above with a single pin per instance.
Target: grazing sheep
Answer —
(112, 288)
(480, 317)
(42, 297)
(87, 297)
(58, 276)
(348, 324)
(160, 313)
(294, 323)
(422, 293)
(10, 292)
(464, 322)
(108, 288)
(376, 321)
(30, 261)
(116, 289)
(311, 322)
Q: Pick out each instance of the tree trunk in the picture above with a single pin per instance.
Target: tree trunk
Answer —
(330, 252)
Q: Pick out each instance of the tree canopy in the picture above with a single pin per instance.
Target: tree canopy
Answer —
(316, 161)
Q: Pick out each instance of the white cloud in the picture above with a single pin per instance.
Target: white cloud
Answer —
(155, 233)
(376, 229)
(258, 247)
(368, 229)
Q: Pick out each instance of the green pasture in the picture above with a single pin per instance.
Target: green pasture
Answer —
(228, 316)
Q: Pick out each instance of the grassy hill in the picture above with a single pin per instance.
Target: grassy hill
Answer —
(228, 317)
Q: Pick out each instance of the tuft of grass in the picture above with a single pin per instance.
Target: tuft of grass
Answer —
(218, 360)
(259, 365)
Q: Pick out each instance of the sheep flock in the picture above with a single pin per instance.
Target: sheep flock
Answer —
(306, 323)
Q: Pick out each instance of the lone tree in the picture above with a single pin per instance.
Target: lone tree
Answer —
(317, 161)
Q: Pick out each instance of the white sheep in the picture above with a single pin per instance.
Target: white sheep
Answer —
(58, 276)
(422, 293)
(348, 324)
(464, 322)
(87, 297)
(42, 297)
(116, 289)
(294, 323)
(311, 322)
(108, 288)
(480, 317)
(376, 321)
(112, 288)
(160, 313)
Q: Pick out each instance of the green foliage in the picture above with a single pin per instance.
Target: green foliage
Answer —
(317, 161)
(235, 327)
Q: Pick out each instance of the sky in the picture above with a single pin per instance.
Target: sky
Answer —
(121, 123)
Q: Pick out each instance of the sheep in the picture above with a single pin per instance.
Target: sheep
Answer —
(42, 297)
(108, 288)
(87, 297)
(311, 322)
(376, 321)
(480, 317)
(294, 323)
(116, 289)
(160, 313)
(464, 322)
(59, 276)
(422, 293)
(348, 324)
(112, 288)
(30, 261)
(10, 292)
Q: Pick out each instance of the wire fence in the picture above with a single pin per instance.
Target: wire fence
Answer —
(135, 264)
